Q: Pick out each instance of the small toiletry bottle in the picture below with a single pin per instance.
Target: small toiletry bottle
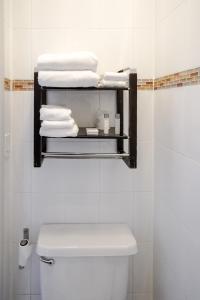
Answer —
(117, 124)
(106, 124)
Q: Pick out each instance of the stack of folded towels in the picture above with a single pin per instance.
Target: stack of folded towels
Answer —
(76, 69)
(114, 79)
(57, 122)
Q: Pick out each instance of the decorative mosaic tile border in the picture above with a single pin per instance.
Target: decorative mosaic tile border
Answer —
(22, 85)
(27, 85)
(7, 84)
(145, 84)
(185, 78)
(18, 85)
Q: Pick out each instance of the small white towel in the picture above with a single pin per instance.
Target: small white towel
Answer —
(114, 84)
(62, 132)
(68, 78)
(114, 76)
(58, 124)
(67, 61)
(55, 113)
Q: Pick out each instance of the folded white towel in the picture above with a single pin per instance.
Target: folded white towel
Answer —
(55, 113)
(73, 61)
(62, 132)
(114, 84)
(114, 76)
(58, 124)
(68, 78)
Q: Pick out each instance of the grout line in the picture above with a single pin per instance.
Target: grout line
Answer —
(160, 144)
(171, 11)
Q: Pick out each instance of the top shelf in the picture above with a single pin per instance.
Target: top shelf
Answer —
(85, 88)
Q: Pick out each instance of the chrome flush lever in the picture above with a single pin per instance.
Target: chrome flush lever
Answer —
(47, 260)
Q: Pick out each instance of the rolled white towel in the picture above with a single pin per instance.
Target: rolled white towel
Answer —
(58, 124)
(73, 61)
(114, 84)
(114, 76)
(62, 132)
(55, 113)
(68, 78)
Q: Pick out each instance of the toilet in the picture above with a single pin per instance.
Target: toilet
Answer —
(85, 261)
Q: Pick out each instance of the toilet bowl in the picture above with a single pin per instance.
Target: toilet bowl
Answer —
(85, 261)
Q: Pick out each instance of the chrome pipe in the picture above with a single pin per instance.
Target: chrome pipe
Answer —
(84, 155)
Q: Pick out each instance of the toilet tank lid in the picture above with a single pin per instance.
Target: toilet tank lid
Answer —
(77, 240)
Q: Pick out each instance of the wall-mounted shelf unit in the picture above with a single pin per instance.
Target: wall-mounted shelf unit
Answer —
(130, 158)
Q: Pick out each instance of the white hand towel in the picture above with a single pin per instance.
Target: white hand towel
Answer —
(55, 113)
(68, 78)
(114, 76)
(67, 61)
(114, 84)
(62, 132)
(58, 124)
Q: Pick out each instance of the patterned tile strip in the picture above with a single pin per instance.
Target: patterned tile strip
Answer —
(27, 85)
(22, 85)
(7, 84)
(145, 84)
(185, 78)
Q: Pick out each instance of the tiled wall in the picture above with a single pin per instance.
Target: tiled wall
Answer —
(1, 149)
(80, 190)
(177, 149)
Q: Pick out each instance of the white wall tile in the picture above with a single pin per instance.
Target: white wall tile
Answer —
(35, 297)
(143, 270)
(75, 101)
(75, 14)
(170, 32)
(46, 208)
(170, 283)
(142, 176)
(143, 217)
(22, 117)
(147, 296)
(81, 208)
(21, 55)
(144, 13)
(177, 155)
(178, 186)
(177, 122)
(171, 38)
(105, 18)
(22, 161)
(145, 116)
(165, 8)
(66, 176)
(144, 52)
(115, 176)
(21, 214)
(116, 208)
(193, 42)
(22, 297)
(21, 13)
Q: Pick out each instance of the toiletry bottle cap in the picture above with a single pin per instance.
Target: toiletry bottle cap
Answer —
(106, 116)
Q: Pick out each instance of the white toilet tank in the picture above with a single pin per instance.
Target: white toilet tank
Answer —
(85, 261)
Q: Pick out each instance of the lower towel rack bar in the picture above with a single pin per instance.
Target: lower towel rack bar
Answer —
(84, 155)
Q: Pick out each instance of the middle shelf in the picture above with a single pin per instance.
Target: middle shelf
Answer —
(83, 135)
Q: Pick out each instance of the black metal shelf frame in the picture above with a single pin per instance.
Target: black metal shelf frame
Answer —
(130, 158)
